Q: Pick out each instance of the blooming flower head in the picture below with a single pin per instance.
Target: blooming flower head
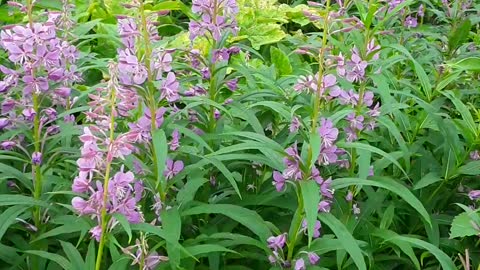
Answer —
(173, 168)
(474, 195)
(313, 258)
(277, 242)
(410, 22)
(278, 181)
(294, 125)
(37, 158)
(475, 155)
(327, 132)
(300, 264)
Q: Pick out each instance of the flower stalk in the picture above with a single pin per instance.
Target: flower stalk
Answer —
(104, 217)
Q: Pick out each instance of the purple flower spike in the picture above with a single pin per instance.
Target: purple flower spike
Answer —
(37, 158)
(173, 168)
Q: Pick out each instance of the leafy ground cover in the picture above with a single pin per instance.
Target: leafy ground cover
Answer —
(236, 135)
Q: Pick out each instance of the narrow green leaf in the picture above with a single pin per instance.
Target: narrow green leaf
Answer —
(187, 193)
(207, 249)
(346, 239)
(464, 112)
(73, 255)
(161, 149)
(471, 168)
(459, 35)
(8, 217)
(373, 149)
(125, 225)
(64, 263)
(428, 179)
(389, 184)
(90, 258)
(226, 172)
(443, 258)
(244, 216)
(421, 74)
(315, 144)
(311, 198)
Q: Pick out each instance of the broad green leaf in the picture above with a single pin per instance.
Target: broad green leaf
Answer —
(428, 179)
(121, 263)
(468, 64)
(172, 225)
(462, 225)
(64, 263)
(389, 184)
(281, 61)
(346, 239)
(311, 198)
(244, 216)
(9, 216)
(459, 35)
(471, 168)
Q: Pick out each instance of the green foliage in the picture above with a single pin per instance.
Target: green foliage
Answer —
(395, 181)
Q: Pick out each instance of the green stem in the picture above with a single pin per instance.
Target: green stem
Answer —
(36, 168)
(152, 104)
(317, 102)
(103, 215)
(297, 224)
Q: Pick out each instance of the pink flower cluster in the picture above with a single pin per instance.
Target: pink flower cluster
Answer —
(217, 17)
(97, 154)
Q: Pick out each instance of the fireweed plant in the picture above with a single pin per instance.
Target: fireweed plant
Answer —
(152, 135)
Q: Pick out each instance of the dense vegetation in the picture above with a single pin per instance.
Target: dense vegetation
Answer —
(239, 134)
